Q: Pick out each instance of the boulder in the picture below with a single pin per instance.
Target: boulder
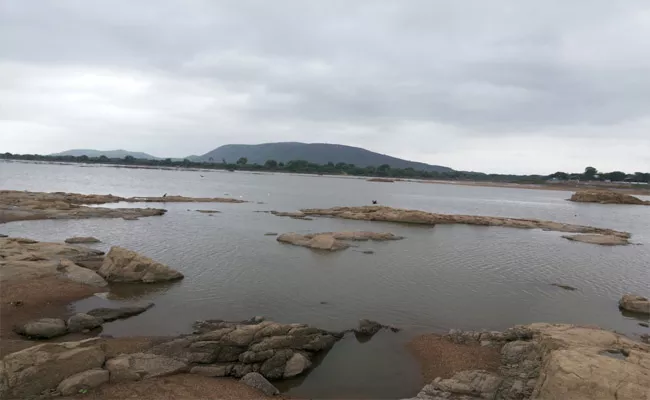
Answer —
(634, 303)
(333, 241)
(296, 365)
(82, 239)
(73, 272)
(43, 328)
(112, 314)
(368, 327)
(122, 265)
(39, 368)
(138, 366)
(257, 381)
(83, 380)
(80, 322)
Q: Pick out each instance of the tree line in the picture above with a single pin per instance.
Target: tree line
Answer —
(306, 167)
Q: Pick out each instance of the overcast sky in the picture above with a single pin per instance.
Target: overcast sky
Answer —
(497, 86)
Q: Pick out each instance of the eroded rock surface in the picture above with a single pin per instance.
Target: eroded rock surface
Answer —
(333, 240)
(122, 265)
(606, 197)
(551, 361)
(82, 239)
(389, 214)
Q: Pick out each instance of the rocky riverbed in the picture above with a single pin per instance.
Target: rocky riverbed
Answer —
(22, 205)
(389, 214)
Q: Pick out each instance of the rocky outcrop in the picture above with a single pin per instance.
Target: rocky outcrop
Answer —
(138, 366)
(26, 259)
(82, 239)
(122, 265)
(635, 304)
(30, 372)
(274, 350)
(293, 215)
(606, 197)
(46, 328)
(333, 240)
(181, 199)
(389, 214)
(603, 240)
(369, 328)
(551, 361)
(257, 381)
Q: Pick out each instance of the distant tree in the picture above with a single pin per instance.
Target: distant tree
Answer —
(129, 159)
(560, 175)
(242, 161)
(103, 158)
(615, 176)
(590, 173)
(383, 169)
(281, 164)
(272, 164)
(223, 161)
(211, 159)
(167, 161)
(83, 158)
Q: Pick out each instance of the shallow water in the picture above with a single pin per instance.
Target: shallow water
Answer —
(435, 279)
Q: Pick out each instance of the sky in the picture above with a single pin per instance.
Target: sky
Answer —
(505, 86)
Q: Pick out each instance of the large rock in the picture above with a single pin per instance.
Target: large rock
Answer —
(333, 241)
(138, 366)
(296, 365)
(606, 197)
(122, 265)
(112, 314)
(43, 328)
(474, 384)
(73, 272)
(82, 239)
(83, 380)
(39, 368)
(634, 303)
(80, 322)
(257, 381)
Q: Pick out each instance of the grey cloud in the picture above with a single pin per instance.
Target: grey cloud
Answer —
(350, 71)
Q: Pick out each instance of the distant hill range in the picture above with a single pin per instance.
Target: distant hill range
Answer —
(107, 153)
(318, 153)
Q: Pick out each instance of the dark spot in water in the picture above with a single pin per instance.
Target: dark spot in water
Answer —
(565, 287)
(324, 302)
(644, 324)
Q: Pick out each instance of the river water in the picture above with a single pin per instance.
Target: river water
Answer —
(435, 279)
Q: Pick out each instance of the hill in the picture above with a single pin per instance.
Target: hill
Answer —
(319, 153)
(107, 153)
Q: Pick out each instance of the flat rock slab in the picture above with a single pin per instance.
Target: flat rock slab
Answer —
(603, 240)
(333, 241)
(138, 366)
(606, 197)
(75, 273)
(82, 239)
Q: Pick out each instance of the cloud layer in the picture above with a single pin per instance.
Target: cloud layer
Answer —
(499, 86)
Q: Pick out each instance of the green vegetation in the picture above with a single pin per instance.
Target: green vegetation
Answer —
(306, 167)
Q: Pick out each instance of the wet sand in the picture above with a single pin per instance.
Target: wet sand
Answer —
(438, 357)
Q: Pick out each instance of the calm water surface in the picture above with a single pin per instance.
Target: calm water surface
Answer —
(437, 278)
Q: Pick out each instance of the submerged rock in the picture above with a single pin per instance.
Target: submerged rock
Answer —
(333, 241)
(82, 239)
(122, 265)
(81, 321)
(112, 314)
(603, 240)
(606, 197)
(634, 303)
(565, 287)
(368, 328)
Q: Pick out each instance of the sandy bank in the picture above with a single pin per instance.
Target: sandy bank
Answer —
(389, 214)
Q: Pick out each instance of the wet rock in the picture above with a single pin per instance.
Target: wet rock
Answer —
(83, 380)
(333, 240)
(130, 218)
(82, 239)
(634, 303)
(111, 314)
(644, 324)
(208, 211)
(44, 328)
(122, 265)
(368, 328)
(30, 372)
(80, 322)
(257, 381)
(270, 234)
(138, 366)
(75, 273)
